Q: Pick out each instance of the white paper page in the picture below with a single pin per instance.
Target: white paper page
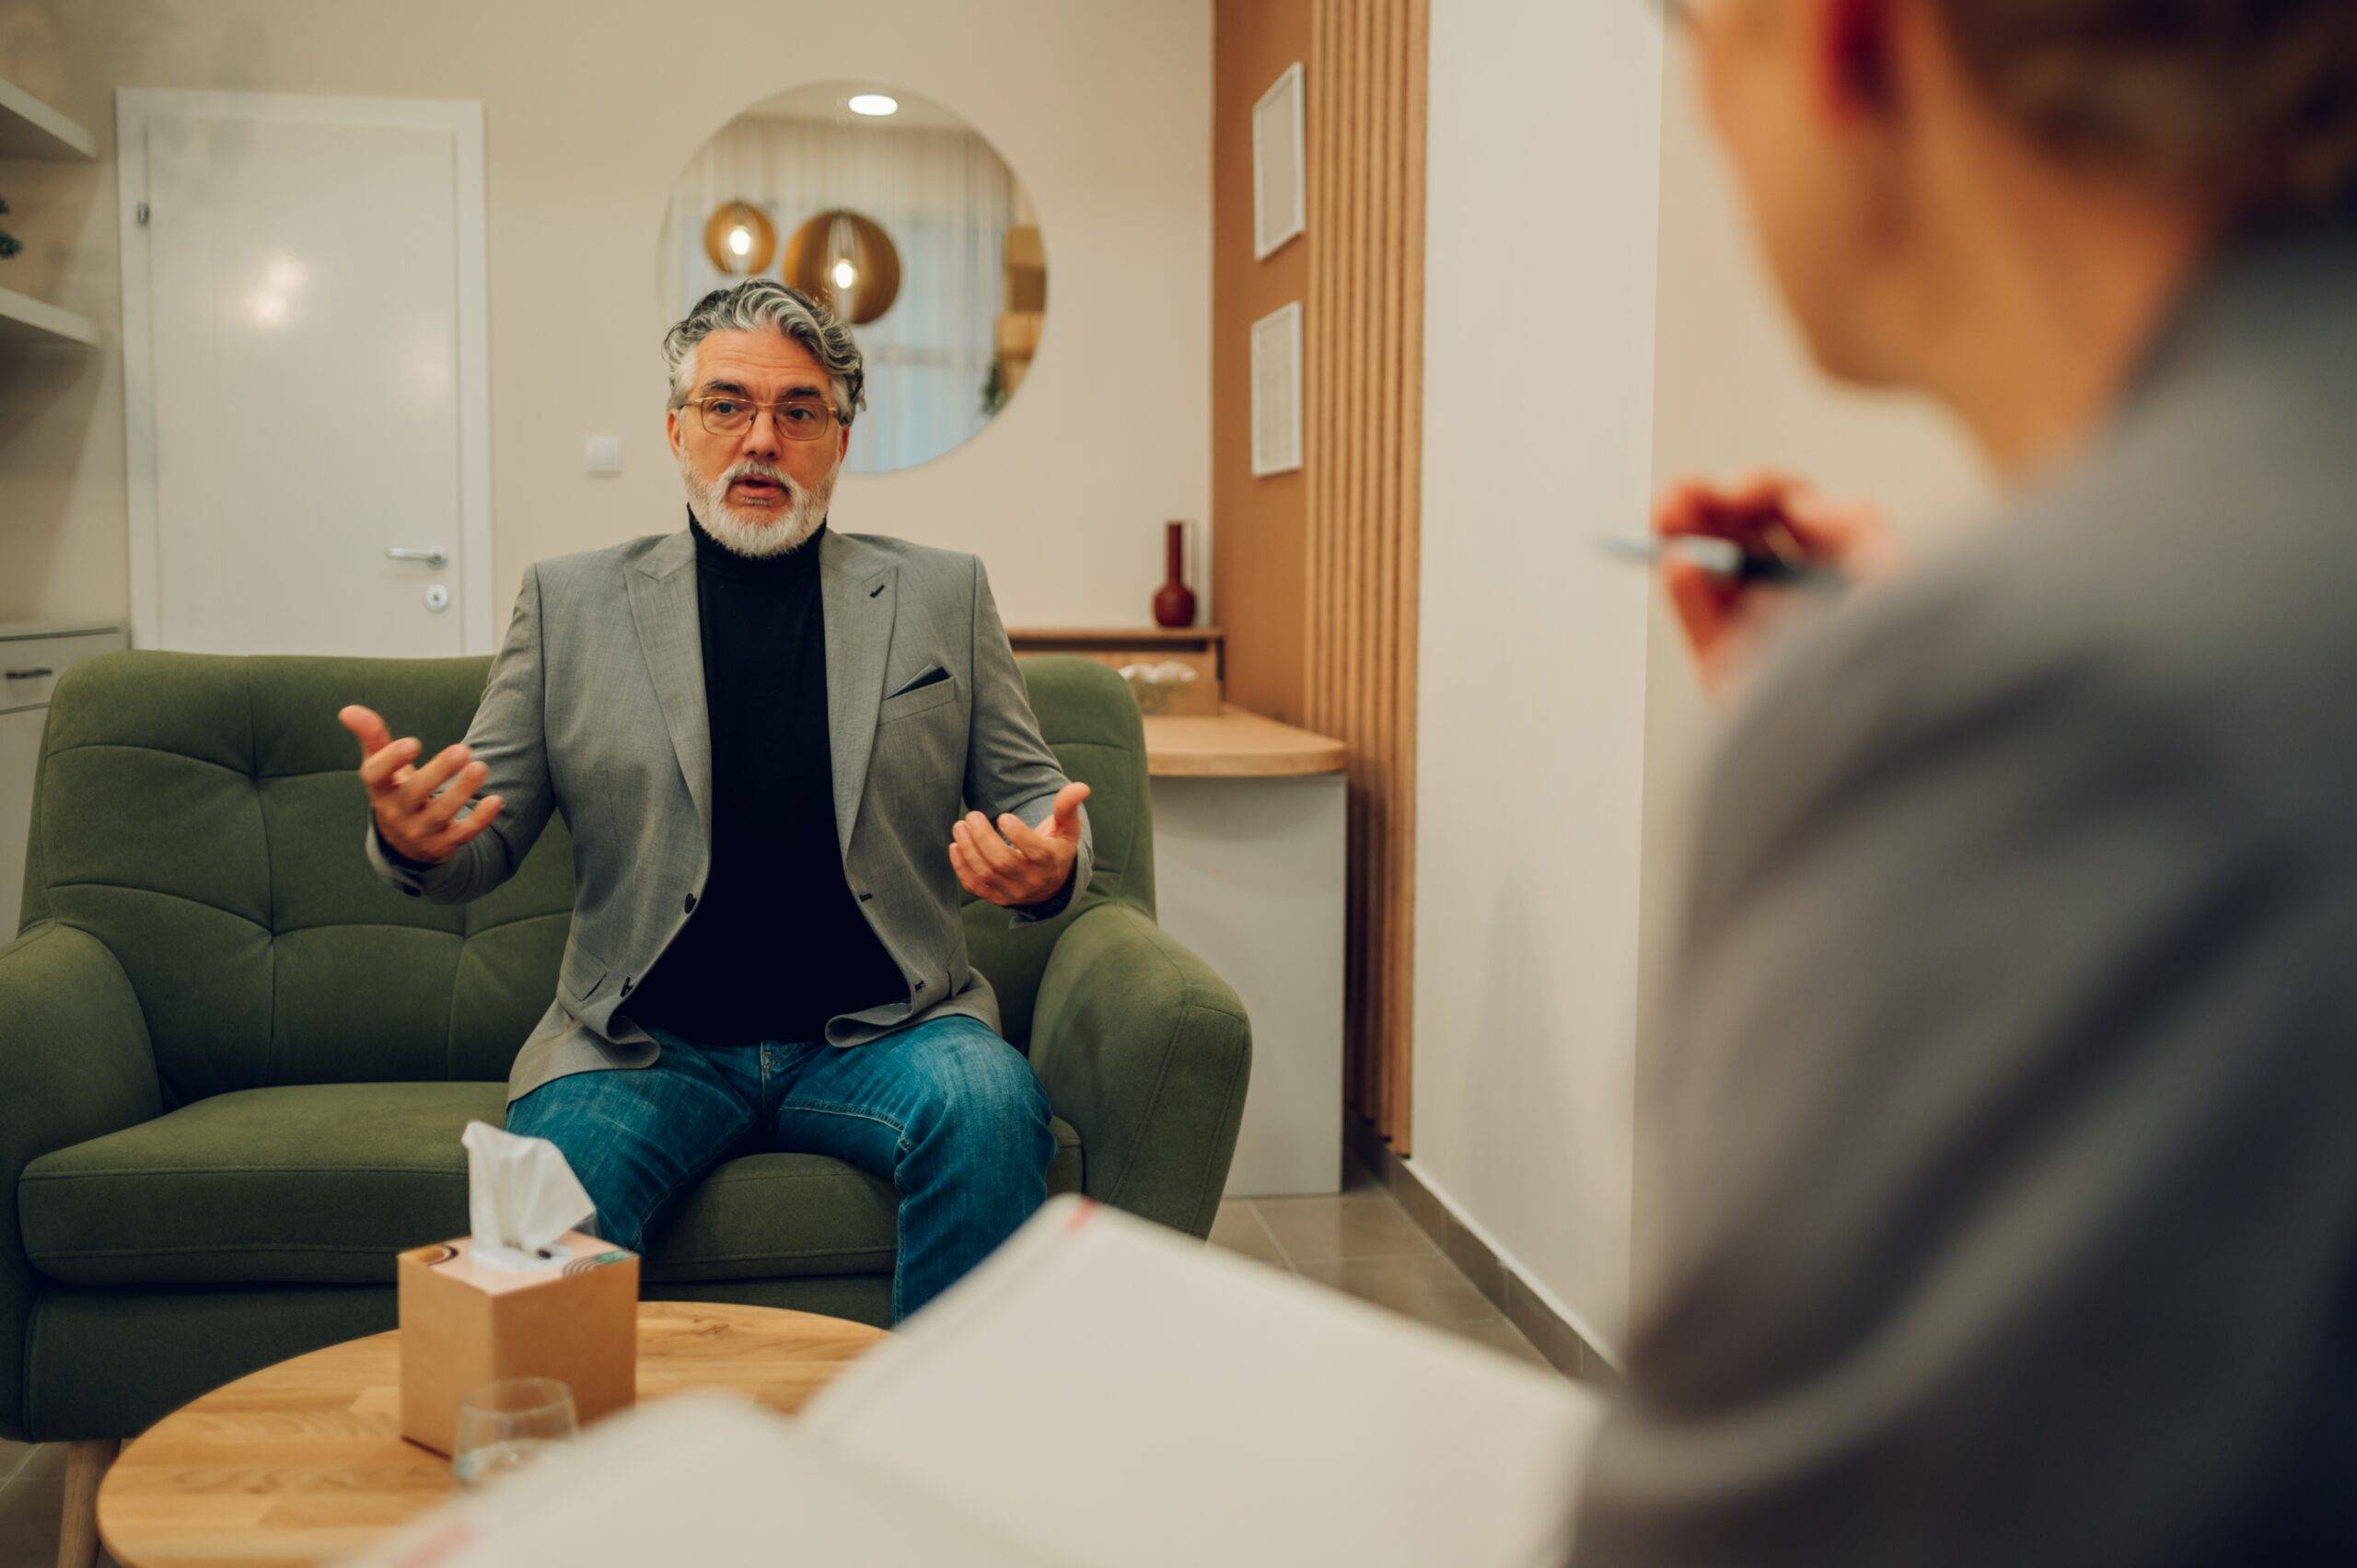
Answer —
(1118, 1394)
(704, 1478)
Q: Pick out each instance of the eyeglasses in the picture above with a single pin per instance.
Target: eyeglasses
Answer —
(797, 419)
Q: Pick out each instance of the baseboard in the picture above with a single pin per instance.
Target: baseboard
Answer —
(1556, 1337)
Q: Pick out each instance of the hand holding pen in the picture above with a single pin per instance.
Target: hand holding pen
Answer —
(1788, 539)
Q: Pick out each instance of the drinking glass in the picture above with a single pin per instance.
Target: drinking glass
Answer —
(506, 1426)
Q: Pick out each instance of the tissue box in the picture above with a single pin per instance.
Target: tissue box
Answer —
(464, 1324)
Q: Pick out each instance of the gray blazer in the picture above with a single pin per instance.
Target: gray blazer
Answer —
(595, 707)
(2009, 1111)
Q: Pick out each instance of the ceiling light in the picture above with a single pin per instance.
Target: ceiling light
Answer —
(844, 274)
(740, 239)
(876, 104)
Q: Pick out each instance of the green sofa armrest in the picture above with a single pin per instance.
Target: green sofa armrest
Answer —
(74, 1065)
(1147, 1052)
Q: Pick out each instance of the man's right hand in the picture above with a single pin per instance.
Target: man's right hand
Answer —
(1725, 622)
(413, 819)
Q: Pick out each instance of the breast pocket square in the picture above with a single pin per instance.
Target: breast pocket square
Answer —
(929, 677)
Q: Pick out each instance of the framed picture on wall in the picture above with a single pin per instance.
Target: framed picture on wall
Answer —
(1276, 391)
(1278, 204)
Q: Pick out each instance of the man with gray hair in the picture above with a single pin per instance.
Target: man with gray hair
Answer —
(759, 731)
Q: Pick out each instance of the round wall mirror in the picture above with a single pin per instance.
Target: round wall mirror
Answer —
(905, 219)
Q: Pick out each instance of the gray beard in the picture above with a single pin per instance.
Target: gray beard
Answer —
(749, 534)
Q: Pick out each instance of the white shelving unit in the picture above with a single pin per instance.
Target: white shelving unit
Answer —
(29, 128)
(24, 320)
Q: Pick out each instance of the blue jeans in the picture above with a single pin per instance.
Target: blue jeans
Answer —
(946, 1112)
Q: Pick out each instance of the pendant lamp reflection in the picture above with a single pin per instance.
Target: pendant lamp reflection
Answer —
(848, 258)
(740, 238)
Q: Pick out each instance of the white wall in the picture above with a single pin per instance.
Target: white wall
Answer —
(591, 109)
(1597, 326)
(1538, 407)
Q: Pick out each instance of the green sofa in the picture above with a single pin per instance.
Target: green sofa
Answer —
(234, 1065)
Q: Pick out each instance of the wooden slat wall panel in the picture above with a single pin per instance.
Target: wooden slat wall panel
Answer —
(1364, 321)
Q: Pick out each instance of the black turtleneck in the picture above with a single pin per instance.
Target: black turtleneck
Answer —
(776, 945)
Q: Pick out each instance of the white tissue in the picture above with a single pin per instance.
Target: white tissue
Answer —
(521, 1197)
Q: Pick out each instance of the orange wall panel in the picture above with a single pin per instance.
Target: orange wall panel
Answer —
(1260, 527)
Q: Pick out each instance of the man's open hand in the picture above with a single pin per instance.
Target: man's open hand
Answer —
(1016, 865)
(417, 816)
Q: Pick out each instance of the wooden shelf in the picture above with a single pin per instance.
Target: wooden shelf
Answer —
(1035, 641)
(1236, 745)
(1200, 648)
(24, 320)
(29, 128)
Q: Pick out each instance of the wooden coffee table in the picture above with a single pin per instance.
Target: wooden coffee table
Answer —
(304, 1462)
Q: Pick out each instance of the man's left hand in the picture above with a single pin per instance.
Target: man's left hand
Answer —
(1016, 865)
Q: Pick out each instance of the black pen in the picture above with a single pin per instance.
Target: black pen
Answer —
(1726, 558)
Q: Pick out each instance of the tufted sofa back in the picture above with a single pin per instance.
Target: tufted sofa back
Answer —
(200, 816)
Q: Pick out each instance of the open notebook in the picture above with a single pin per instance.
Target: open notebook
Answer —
(1100, 1391)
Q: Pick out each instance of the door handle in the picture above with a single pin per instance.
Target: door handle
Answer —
(432, 556)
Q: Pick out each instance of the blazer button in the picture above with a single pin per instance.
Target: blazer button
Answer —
(920, 985)
(691, 903)
(865, 897)
(625, 990)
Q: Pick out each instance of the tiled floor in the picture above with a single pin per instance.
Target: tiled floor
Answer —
(32, 1487)
(1360, 1241)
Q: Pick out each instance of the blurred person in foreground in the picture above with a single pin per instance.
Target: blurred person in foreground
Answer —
(2009, 1108)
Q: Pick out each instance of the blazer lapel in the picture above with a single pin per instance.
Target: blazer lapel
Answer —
(663, 603)
(857, 589)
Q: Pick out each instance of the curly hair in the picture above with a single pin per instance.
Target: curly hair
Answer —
(765, 302)
(2248, 103)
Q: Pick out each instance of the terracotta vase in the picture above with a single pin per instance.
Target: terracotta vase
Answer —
(1174, 602)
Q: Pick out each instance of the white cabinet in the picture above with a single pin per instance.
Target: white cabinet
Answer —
(19, 750)
(1250, 850)
(32, 658)
(1249, 873)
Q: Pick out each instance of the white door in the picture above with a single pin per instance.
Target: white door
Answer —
(304, 374)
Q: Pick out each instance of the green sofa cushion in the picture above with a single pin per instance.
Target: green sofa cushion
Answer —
(323, 1183)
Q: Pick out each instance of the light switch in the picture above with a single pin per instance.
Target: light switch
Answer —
(602, 455)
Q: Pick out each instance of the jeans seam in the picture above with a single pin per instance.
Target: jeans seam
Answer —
(672, 1189)
(901, 1137)
(825, 1108)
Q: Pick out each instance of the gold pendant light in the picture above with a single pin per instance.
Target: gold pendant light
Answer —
(740, 238)
(846, 259)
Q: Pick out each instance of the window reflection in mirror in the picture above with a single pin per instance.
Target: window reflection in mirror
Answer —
(906, 218)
